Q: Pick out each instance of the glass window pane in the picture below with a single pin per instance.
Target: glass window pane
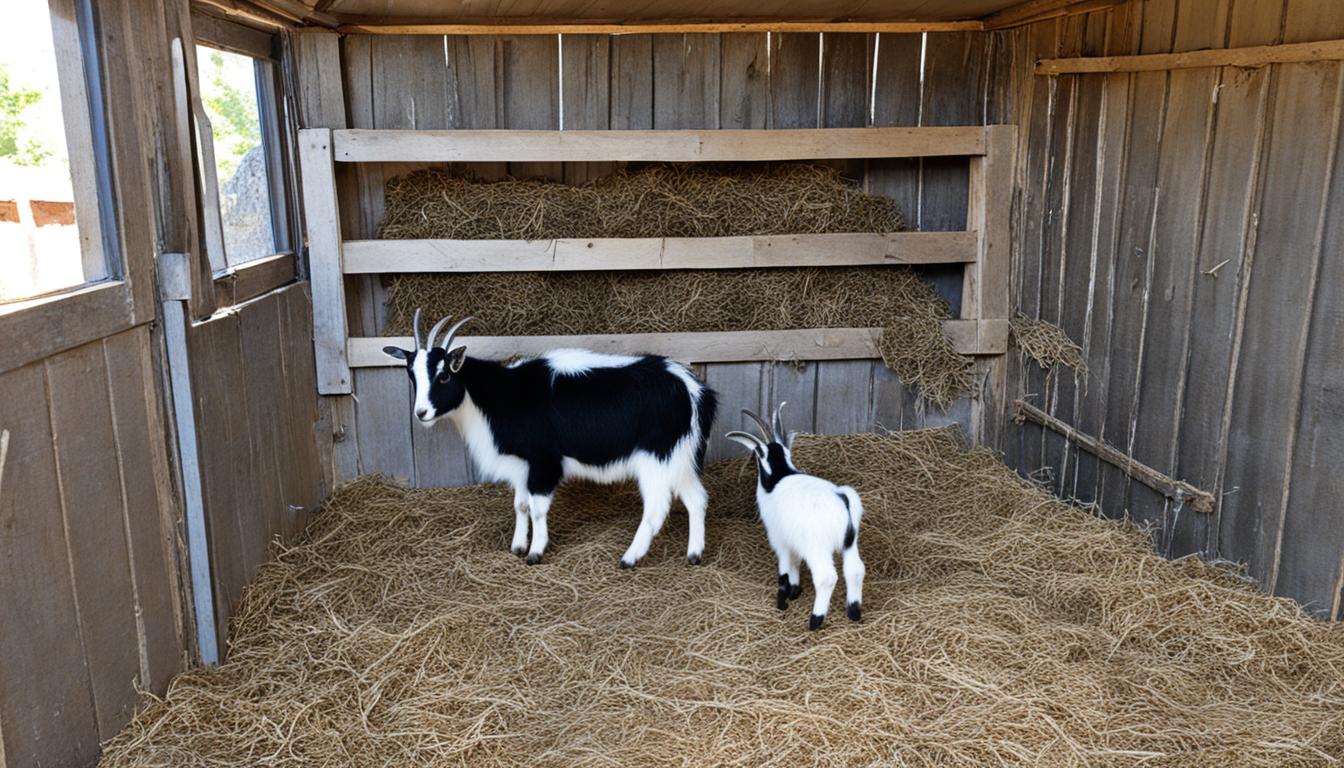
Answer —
(39, 239)
(228, 83)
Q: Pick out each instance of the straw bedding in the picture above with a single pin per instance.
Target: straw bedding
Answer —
(1001, 627)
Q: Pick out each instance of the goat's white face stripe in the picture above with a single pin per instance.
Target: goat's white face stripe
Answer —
(420, 367)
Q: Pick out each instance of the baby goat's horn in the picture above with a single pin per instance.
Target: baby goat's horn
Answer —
(778, 422)
(765, 428)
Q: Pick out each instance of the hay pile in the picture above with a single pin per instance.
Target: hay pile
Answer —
(1001, 627)
(701, 200)
(579, 303)
(1047, 344)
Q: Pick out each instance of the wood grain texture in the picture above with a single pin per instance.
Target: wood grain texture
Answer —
(640, 253)
(1255, 56)
(46, 696)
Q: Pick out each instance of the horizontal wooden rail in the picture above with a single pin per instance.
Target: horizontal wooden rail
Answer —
(678, 146)
(1176, 490)
(377, 26)
(617, 253)
(970, 337)
(1254, 56)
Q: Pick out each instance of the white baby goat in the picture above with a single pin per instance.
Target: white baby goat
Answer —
(806, 518)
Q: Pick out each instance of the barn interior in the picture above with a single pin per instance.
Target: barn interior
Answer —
(1055, 284)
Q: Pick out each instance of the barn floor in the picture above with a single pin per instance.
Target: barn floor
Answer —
(1001, 626)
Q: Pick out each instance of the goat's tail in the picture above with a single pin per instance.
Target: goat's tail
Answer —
(706, 408)
(855, 506)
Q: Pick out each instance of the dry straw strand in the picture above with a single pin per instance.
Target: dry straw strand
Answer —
(1002, 626)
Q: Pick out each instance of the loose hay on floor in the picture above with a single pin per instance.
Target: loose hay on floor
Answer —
(1001, 627)
(701, 200)
(579, 303)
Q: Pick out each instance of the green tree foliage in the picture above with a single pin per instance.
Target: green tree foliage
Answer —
(14, 145)
(229, 95)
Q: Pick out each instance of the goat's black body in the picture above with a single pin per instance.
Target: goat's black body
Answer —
(599, 417)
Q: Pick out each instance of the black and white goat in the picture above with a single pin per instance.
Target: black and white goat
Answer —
(806, 519)
(571, 413)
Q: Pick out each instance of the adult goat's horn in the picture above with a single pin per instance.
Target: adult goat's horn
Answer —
(415, 329)
(433, 332)
(448, 338)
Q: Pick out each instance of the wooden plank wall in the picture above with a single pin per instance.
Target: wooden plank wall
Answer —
(1187, 228)
(255, 389)
(743, 80)
(89, 575)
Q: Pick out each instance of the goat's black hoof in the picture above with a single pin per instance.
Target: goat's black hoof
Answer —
(795, 590)
(782, 600)
(815, 621)
(625, 566)
(695, 559)
(854, 611)
(519, 551)
(533, 559)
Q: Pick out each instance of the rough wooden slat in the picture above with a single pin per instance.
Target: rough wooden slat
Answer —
(744, 93)
(585, 83)
(141, 451)
(37, 329)
(1253, 56)
(324, 259)
(632, 82)
(528, 83)
(92, 498)
(1278, 311)
(685, 80)
(985, 283)
(954, 82)
(795, 85)
(302, 423)
(383, 420)
(317, 61)
(970, 337)
(46, 699)
(356, 145)
(738, 385)
(576, 254)
(1041, 10)
(264, 390)
(1138, 205)
(223, 449)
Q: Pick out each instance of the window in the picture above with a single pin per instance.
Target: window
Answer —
(238, 96)
(51, 234)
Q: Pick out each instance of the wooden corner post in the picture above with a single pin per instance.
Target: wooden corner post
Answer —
(984, 296)
(325, 269)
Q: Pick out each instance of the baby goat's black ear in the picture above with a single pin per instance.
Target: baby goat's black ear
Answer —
(397, 352)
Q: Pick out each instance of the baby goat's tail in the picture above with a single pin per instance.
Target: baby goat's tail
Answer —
(852, 564)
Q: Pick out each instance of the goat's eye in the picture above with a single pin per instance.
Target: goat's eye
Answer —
(443, 378)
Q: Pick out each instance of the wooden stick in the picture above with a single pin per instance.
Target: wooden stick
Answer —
(1253, 56)
(1180, 491)
(352, 24)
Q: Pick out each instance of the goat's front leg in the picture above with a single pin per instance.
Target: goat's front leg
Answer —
(520, 513)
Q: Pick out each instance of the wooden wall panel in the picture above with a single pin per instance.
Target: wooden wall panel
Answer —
(1181, 226)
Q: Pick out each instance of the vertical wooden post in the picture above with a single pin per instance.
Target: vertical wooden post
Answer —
(322, 221)
(984, 296)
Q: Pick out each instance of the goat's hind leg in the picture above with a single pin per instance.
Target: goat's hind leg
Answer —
(657, 501)
(823, 581)
(520, 514)
(693, 495)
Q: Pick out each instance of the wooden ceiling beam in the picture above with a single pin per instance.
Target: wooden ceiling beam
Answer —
(1033, 11)
(386, 26)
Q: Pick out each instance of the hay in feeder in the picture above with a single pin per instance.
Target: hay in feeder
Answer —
(1001, 626)
(581, 303)
(714, 200)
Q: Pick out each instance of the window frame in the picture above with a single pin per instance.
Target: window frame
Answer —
(44, 324)
(235, 282)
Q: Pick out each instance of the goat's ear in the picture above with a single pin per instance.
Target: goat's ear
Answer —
(751, 443)
(397, 352)
(456, 358)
